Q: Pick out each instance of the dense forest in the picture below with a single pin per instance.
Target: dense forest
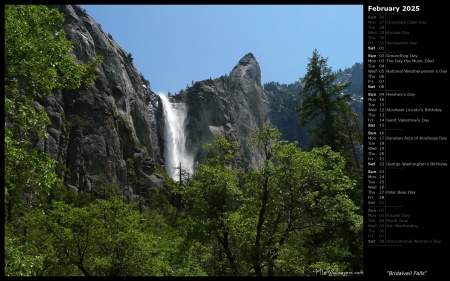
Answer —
(297, 214)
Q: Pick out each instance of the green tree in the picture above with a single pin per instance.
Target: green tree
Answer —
(135, 182)
(260, 189)
(295, 194)
(350, 136)
(103, 238)
(104, 189)
(294, 200)
(325, 107)
(37, 61)
(214, 196)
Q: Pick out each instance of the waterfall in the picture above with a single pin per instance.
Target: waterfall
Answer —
(175, 139)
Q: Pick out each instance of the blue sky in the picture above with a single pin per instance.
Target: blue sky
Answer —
(173, 45)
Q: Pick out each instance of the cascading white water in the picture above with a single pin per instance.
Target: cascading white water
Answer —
(175, 139)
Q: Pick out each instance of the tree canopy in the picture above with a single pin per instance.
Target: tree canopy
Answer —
(295, 200)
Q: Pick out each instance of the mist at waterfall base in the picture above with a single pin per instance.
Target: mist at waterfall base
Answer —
(175, 139)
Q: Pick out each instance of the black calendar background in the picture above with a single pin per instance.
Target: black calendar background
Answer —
(429, 207)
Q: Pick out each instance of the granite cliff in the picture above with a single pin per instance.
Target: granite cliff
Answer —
(94, 131)
(234, 105)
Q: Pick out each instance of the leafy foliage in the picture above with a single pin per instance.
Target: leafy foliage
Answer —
(103, 238)
(214, 196)
(37, 61)
(296, 199)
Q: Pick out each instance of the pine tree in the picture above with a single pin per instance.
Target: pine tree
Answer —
(326, 111)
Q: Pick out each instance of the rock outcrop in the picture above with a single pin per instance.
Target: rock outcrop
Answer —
(234, 105)
(95, 130)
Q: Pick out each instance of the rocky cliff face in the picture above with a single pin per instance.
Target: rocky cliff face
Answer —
(95, 130)
(234, 105)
